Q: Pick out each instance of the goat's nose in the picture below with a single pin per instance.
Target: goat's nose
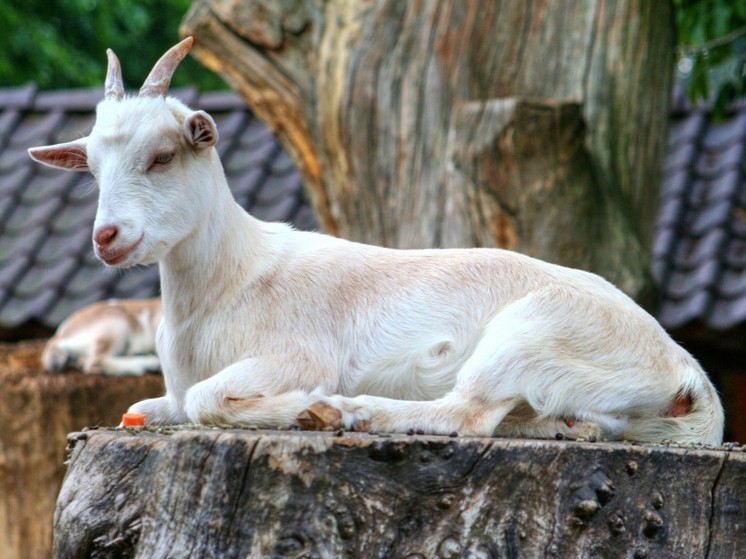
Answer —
(104, 236)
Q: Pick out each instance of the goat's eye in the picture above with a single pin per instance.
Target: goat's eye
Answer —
(162, 159)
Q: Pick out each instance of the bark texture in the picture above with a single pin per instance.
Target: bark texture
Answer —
(535, 126)
(217, 493)
(37, 411)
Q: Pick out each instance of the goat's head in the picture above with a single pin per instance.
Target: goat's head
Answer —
(153, 160)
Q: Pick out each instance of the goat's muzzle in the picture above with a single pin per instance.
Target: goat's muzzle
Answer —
(107, 247)
(105, 236)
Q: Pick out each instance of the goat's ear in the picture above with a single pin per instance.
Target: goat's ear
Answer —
(71, 156)
(200, 130)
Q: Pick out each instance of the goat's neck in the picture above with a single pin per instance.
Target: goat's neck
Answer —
(219, 257)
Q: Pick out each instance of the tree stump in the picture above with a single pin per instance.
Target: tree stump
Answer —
(283, 494)
(37, 411)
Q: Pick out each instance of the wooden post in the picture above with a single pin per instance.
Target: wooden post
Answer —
(37, 411)
(281, 494)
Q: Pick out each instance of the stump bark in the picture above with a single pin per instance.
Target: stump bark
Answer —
(37, 411)
(283, 494)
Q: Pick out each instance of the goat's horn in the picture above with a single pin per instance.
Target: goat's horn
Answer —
(159, 78)
(113, 86)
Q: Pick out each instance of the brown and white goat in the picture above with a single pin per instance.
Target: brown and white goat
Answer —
(115, 337)
(264, 325)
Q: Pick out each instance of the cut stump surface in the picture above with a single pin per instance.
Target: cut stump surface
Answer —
(238, 493)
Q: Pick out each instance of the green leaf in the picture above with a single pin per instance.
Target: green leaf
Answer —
(62, 43)
(699, 88)
(726, 96)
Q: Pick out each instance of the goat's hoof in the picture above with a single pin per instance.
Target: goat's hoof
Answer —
(586, 430)
(319, 416)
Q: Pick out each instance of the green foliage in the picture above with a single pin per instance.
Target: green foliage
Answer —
(712, 51)
(61, 44)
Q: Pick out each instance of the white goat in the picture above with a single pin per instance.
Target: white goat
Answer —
(265, 325)
(115, 337)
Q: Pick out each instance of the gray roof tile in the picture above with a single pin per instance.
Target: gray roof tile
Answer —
(685, 131)
(732, 284)
(700, 248)
(679, 157)
(726, 313)
(684, 282)
(18, 309)
(674, 184)
(68, 100)
(708, 216)
(727, 134)
(670, 212)
(13, 265)
(694, 251)
(712, 163)
(735, 253)
(18, 97)
(682, 310)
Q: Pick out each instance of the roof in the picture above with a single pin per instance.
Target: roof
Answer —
(699, 250)
(47, 267)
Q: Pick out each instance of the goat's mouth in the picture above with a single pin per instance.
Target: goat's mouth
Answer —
(117, 256)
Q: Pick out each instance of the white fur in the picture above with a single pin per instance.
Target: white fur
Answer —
(115, 337)
(262, 321)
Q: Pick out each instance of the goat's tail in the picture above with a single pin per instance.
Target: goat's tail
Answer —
(695, 415)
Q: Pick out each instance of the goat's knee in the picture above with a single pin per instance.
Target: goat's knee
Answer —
(203, 405)
(335, 412)
(211, 403)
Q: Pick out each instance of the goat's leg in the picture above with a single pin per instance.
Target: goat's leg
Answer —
(452, 413)
(524, 422)
(137, 365)
(440, 417)
(252, 392)
(506, 368)
(160, 411)
(262, 411)
(102, 348)
(549, 428)
(468, 409)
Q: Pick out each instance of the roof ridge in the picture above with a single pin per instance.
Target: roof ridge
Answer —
(29, 96)
(19, 97)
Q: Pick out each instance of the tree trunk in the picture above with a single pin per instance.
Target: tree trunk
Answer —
(37, 411)
(216, 493)
(536, 126)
